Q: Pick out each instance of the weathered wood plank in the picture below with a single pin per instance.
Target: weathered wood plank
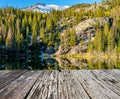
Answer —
(95, 88)
(115, 73)
(62, 86)
(3, 72)
(45, 87)
(35, 86)
(9, 77)
(108, 81)
(30, 81)
(67, 84)
(71, 88)
(20, 86)
(52, 94)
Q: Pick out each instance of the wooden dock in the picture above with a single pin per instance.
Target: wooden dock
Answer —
(76, 84)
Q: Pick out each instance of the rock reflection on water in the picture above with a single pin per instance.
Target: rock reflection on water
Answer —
(58, 64)
(89, 64)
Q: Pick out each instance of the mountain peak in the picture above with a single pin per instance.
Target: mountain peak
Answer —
(40, 4)
(43, 8)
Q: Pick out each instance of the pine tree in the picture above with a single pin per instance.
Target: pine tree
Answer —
(90, 47)
(27, 31)
(66, 38)
(106, 29)
(42, 33)
(49, 24)
(73, 37)
(110, 41)
(19, 37)
(30, 19)
(34, 33)
(105, 35)
(9, 39)
(96, 41)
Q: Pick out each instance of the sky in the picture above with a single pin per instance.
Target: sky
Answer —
(25, 3)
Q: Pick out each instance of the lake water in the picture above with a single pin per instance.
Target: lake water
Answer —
(58, 64)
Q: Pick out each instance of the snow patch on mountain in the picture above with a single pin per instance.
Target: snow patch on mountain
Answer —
(39, 7)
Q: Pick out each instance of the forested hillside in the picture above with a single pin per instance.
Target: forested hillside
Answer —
(59, 28)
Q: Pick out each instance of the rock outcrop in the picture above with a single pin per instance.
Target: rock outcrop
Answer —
(88, 27)
(62, 50)
(85, 31)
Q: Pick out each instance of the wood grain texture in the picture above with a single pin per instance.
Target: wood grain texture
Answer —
(67, 84)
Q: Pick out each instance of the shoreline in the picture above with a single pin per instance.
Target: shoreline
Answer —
(88, 55)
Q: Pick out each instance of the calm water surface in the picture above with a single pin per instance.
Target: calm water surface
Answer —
(58, 64)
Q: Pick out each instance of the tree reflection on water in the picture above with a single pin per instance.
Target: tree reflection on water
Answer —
(38, 63)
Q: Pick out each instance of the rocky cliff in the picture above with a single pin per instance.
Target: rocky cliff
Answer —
(85, 32)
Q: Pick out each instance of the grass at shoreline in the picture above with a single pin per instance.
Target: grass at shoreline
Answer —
(89, 55)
